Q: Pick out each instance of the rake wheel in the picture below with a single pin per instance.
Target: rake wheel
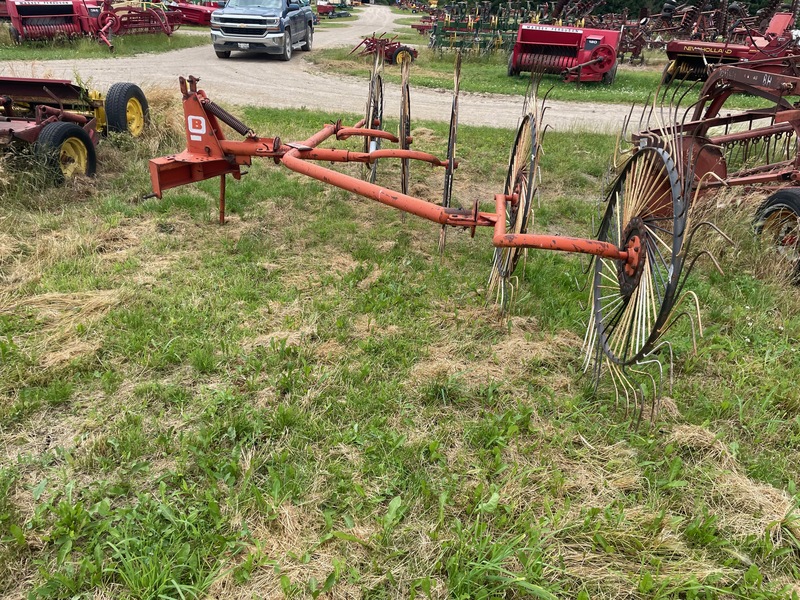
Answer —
(631, 308)
(405, 124)
(777, 220)
(521, 180)
(451, 148)
(374, 119)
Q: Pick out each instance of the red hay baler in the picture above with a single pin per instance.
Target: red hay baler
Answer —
(576, 53)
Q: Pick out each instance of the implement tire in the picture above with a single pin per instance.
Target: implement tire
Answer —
(126, 109)
(66, 150)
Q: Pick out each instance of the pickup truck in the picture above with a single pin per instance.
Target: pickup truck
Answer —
(262, 26)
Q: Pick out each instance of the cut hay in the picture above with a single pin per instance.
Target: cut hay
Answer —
(61, 318)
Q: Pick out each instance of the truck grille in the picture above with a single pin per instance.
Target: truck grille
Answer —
(254, 31)
(244, 21)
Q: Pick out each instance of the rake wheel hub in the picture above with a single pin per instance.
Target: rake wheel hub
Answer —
(629, 271)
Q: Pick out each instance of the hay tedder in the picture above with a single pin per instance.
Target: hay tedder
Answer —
(62, 121)
(576, 53)
(48, 19)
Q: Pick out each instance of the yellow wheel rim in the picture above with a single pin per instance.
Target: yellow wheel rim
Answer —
(403, 56)
(73, 158)
(134, 114)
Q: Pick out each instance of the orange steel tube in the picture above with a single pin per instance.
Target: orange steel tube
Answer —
(337, 155)
(408, 204)
(346, 132)
(502, 239)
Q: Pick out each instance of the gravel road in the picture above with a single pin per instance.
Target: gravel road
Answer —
(260, 81)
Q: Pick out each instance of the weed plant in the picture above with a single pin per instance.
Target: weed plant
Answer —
(308, 402)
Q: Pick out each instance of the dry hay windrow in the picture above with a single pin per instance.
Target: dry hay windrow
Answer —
(61, 316)
(744, 507)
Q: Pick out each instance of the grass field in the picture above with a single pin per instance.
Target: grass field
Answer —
(92, 48)
(308, 402)
(488, 74)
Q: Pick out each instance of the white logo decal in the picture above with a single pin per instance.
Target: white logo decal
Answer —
(196, 126)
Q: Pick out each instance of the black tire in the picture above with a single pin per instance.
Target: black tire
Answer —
(286, 55)
(223, 54)
(57, 145)
(399, 51)
(308, 40)
(127, 110)
(15, 36)
(609, 76)
(777, 221)
(512, 72)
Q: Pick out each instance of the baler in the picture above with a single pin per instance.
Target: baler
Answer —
(575, 53)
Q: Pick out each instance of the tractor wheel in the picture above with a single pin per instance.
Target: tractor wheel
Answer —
(126, 109)
(308, 39)
(15, 36)
(66, 150)
(401, 54)
(223, 53)
(286, 55)
(777, 220)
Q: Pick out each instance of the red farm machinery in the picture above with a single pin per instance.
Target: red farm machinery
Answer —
(691, 59)
(576, 53)
(393, 51)
(48, 19)
(62, 121)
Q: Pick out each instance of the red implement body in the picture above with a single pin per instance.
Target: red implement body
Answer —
(44, 19)
(47, 19)
(575, 53)
(196, 14)
(690, 59)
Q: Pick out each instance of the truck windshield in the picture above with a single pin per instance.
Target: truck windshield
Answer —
(254, 4)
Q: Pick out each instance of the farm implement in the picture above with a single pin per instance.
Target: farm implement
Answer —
(638, 252)
(393, 51)
(48, 19)
(62, 121)
(756, 148)
(690, 59)
(577, 54)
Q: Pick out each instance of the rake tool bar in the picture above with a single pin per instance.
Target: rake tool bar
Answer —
(209, 154)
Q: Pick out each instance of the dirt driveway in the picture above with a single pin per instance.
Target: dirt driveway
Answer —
(258, 81)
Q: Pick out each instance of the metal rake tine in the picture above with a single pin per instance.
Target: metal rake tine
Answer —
(671, 359)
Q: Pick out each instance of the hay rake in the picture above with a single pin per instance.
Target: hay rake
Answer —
(639, 247)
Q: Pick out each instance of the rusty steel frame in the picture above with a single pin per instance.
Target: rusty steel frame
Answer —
(209, 154)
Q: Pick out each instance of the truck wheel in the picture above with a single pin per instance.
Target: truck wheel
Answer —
(223, 53)
(308, 40)
(126, 109)
(66, 150)
(287, 46)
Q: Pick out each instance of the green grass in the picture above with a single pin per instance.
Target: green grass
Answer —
(92, 48)
(308, 402)
(633, 85)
